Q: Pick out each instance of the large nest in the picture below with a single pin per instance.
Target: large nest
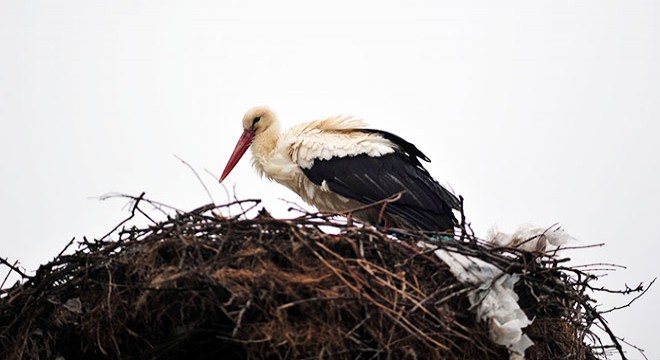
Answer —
(201, 285)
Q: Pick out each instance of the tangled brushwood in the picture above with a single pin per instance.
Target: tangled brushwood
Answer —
(201, 285)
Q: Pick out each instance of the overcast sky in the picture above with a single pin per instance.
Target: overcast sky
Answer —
(535, 111)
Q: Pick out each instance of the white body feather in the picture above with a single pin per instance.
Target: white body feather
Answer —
(300, 146)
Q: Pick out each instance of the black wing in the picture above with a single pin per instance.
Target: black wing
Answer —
(425, 204)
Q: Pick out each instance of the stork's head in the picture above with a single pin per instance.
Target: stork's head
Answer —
(255, 122)
(258, 119)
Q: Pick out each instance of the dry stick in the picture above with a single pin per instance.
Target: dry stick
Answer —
(294, 206)
(237, 202)
(135, 205)
(147, 216)
(463, 230)
(631, 301)
(391, 199)
(2, 286)
(197, 176)
(352, 330)
(66, 247)
(438, 291)
(6, 277)
(240, 318)
(223, 188)
(609, 332)
(599, 264)
(240, 204)
(626, 291)
(381, 203)
(580, 247)
(640, 350)
(314, 299)
(14, 268)
(156, 204)
(538, 236)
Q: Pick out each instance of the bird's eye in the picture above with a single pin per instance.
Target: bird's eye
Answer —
(256, 120)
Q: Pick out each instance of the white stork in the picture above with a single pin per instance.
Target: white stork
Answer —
(337, 165)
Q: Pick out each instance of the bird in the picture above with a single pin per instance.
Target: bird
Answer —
(337, 164)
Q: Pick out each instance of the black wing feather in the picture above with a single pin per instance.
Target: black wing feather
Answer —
(408, 149)
(412, 153)
(425, 204)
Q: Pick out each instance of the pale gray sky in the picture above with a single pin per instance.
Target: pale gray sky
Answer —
(534, 111)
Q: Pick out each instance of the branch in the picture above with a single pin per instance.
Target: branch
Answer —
(198, 178)
(135, 206)
(15, 269)
(628, 291)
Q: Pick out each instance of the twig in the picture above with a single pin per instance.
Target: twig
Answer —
(224, 187)
(627, 291)
(2, 286)
(640, 350)
(198, 178)
(462, 225)
(15, 269)
(135, 205)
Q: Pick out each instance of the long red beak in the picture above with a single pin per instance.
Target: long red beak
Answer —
(242, 145)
